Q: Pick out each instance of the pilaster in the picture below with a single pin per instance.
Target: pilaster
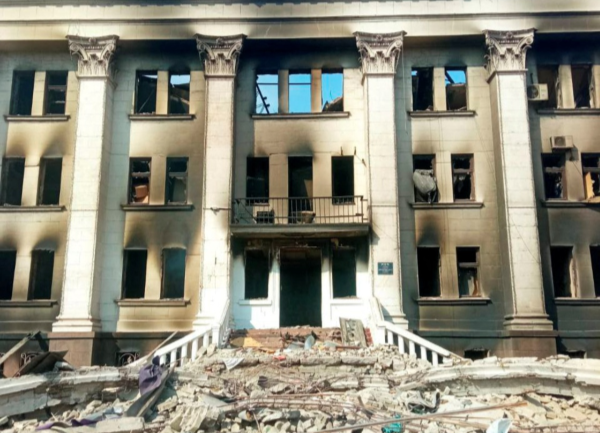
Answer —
(520, 247)
(220, 58)
(79, 306)
(379, 55)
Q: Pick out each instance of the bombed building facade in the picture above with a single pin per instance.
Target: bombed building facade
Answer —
(168, 166)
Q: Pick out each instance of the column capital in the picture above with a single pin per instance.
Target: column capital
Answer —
(379, 52)
(220, 54)
(94, 54)
(507, 49)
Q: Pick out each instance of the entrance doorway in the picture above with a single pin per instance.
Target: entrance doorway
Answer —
(300, 300)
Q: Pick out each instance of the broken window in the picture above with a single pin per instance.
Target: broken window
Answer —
(267, 92)
(477, 353)
(456, 89)
(257, 179)
(462, 177)
(591, 175)
(467, 259)
(173, 281)
(342, 179)
(177, 173)
(22, 93)
(145, 92)
(56, 92)
(11, 188)
(139, 181)
(50, 179)
(40, 278)
(426, 190)
(299, 92)
(422, 89)
(582, 79)
(563, 271)
(554, 175)
(134, 273)
(595, 255)
(8, 260)
(428, 262)
(344, 272)
(332, 90)
(179, 93)
(256, 273)
(548, 75)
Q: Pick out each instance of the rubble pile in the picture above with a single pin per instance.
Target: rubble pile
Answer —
(326, 387)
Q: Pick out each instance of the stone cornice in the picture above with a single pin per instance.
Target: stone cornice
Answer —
(220, 54)
(507, 49)
(94, 55)
(379, 52)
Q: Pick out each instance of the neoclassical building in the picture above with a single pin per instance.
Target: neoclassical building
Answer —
(168, 166)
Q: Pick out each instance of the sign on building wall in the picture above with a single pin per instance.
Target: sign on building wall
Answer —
(385, 268)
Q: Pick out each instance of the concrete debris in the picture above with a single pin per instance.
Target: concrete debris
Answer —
(325, 388)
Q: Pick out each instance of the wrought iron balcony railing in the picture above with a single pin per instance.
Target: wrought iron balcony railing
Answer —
(299, 210)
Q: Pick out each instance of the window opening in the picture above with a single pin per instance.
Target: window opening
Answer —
(456, 89)
(173, 282)
(134, 274)
(13, 171)
(50, 180)
(300, 189)
(591, 176)
(468, 270)
(257, 180)
(462, 177)
(139, 181)
(342, 182)
(426, 190)
(8, 260)
(56, 92)
(344, 272)
(477, 353)
(548, 74)
(595, 255)
(332, 90)
(267, 92)
(428, 262)
(422, 89)
(582, 79)
(554, 176)
(177, 176)
(563, 271)
(22, 93)
(145, 91)
(256, 273)
(179, 93)
(299, 92)
(42, 270)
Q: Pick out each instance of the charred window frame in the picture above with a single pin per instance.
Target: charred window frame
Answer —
(424, 179)
(146, 83)
(8, 261)
(40, 277)
(342, 179)
(257, 179)
(555, 181)
(300, 84)
(49, 182)
(179, 92)
(11, 185)
(548, 74)
(139, 180)
(564, 274)
(429, 264)
(582, 85)
(343, 264)
(267, 92)
(463, 179)
(134, 273)
(467, 259)
(422, 89)
(173, 273)
(56, 92)
(21, 100)
(590, 163)
(456, 89)
(595, 257)
(332, 90)
(177, 181)
(257, 266)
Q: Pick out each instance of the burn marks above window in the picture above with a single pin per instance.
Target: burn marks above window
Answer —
(463, 185)
(11, 186)
(177, 181)
(422, 89)
(554, 176)
(139, 180)
(467, 260)
(146, 83)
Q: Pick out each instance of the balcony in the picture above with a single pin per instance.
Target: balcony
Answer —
(300, 216)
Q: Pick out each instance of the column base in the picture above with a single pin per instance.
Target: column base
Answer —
(82, 347)
(398, 319)
(66, 325)
(528, 322)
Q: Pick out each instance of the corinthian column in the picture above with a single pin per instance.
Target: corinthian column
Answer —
(520, 249)
(379, 54)
(220, 57)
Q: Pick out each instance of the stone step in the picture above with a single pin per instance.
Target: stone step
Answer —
(281, 337)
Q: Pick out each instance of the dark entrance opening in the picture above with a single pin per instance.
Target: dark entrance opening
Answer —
(300, 190)
(300, 302)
